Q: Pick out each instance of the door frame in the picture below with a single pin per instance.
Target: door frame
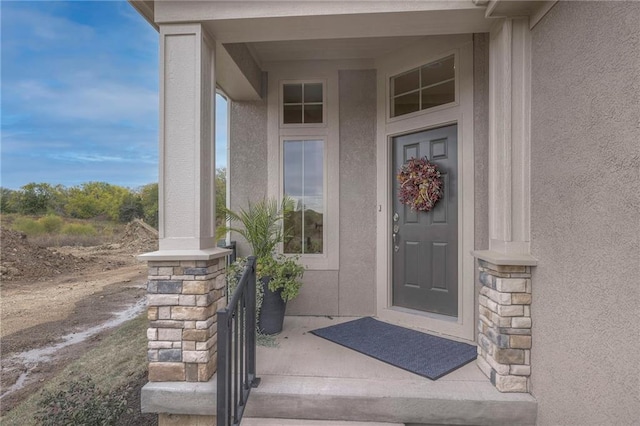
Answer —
(460, 113)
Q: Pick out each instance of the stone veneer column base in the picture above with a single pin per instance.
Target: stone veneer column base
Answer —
(183, 297)
(185, 290)
(504, 325)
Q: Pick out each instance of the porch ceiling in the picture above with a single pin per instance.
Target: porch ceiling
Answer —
(362, 25)
(355, 35)
(350, 48)
(276, 31)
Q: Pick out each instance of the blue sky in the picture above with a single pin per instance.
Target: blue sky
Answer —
(79, 87)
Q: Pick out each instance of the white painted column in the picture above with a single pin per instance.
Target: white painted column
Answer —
(509, 137)
(187, 151)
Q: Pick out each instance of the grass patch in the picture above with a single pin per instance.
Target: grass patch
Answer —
(56, 231)
(48, 240)
(80, 229)
(28, 226)
(81, 402)
(52, 223)
(118, 360)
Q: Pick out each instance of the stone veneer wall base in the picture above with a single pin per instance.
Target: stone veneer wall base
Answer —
(504, 325)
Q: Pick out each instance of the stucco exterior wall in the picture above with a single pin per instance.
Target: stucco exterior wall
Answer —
(357, 192)
(351, 290)
(248, 150)
(585, 213)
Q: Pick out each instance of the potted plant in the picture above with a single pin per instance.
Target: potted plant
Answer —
(279, 275)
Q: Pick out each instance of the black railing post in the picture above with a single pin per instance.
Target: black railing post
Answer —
(251, 323)
(237, 349)
(223, 368)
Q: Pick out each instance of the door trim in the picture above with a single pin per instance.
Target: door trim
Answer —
(463, 326)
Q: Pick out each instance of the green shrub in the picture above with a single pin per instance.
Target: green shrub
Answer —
(78, 229)
(28, 226)
(9, 200)
(52, 223)
(80, 402)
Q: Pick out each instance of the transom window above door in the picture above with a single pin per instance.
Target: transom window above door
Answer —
(424, 87)
(303, 103)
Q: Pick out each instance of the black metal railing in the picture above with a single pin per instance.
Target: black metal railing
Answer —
(231, 246)
(237, 349)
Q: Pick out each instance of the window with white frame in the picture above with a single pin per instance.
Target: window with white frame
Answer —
(304, 183)
(303, 103)
(304, 147)
(425, 87)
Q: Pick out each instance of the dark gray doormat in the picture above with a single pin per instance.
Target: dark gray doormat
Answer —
(420, 353)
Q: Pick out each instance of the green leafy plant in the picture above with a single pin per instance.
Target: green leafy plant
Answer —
(285, 275)
(81, 403)
(262, 228)
(234, 273)
(261, 224)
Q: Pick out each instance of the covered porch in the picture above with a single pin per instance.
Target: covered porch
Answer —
(355, 54)
(306, 377)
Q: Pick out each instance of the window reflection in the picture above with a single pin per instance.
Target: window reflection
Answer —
(304, 184)
(302, 103)
(425, 87)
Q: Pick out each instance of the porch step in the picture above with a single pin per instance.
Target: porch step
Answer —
(254, 421)
(416, 402)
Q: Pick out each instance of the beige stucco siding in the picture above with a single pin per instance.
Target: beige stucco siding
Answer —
(247, 157)
(585, 214)
(351, 289)
(357, 192)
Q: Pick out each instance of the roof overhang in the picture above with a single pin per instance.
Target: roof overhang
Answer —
(240, 28)
(146, 9)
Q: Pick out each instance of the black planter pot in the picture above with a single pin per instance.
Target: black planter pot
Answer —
(272, 311)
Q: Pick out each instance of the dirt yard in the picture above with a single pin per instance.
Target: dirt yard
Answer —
(50, 295)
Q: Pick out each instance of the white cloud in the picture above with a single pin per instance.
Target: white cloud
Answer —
(100, 158)
(98, 101)
(45, 29)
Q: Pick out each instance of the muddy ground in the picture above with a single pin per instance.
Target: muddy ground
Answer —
(50, 293)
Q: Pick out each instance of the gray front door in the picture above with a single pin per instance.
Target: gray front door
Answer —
(425, 250)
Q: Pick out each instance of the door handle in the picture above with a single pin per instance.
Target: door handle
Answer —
(396, 247)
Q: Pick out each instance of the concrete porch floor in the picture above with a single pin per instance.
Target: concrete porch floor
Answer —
(307, 377)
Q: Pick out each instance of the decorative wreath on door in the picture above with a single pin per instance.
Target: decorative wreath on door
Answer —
(420, 184)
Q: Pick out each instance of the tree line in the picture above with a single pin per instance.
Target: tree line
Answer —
(93, 200)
